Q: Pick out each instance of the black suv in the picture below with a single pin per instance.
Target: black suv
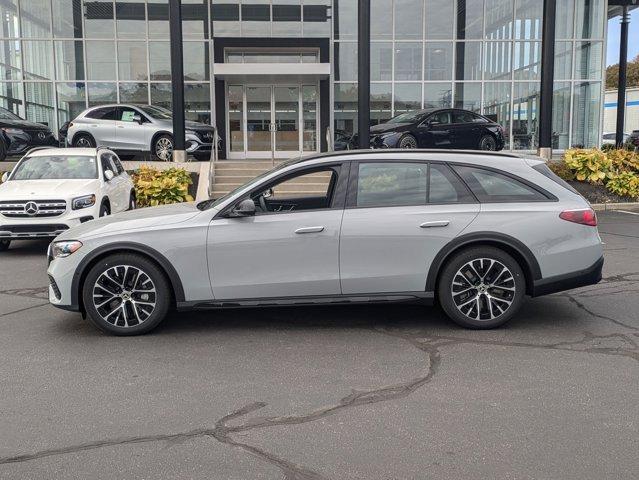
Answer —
(439, 128)
(18, 135)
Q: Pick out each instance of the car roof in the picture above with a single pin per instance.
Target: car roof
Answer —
(429, 154)
(61, 152)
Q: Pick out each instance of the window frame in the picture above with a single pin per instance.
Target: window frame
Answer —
(103, 108)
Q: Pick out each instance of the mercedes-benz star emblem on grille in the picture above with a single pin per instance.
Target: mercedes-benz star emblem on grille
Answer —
(41, 135)
(31, 208)
(208, 136)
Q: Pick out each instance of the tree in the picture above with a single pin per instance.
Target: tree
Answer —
(612, 74)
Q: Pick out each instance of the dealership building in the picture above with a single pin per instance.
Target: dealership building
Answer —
(279, 77)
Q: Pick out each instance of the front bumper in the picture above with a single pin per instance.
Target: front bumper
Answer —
(589, 276)
(44, 227)
(19, 143)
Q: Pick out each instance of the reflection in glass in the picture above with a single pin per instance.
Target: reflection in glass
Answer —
(69, 60)
(563, 60)
(309, 117)
(497, 105)
(101, 93)
(529, 19)
(39, 103)
(585, 114)
(408, 96)
(499, 19)
(11, 97)
(470, 19)
(381, 103)
(468, 61)
(195, 19)
(438, 95)
(409, 19)
(287, 18)
(134, 93)
(345, 107)
(38, 60)
(317, 18)
(67, 18)
(346, 61)
(588, 58)
(438, 61)
(258, 119)
(497, 65)
(381, 26)
(130, 18)
(161, 95)
(35, 18)
(381, 61)
(158, 18)
(197, 102)
(408, 61)
(256, 18)
(9, 15)
(590, 18)
(160, 60)
(287, 134)
(439, 16)
(236, 120)
(99, 19)
(561, 115)
(10, 60)
(71, 100)
(132, 61)
(100, 60)
(345, 20)
(468, 96)
(225, 15)
(525, 111)
(565, 19)
(527, 60)
(196, 60)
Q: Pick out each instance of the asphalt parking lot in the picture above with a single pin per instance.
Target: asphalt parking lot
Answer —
(392, 392)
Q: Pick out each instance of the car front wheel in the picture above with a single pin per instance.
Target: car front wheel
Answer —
(481, 288)
(408, 141)
(488, 143)
(126, 294)
(163, 148)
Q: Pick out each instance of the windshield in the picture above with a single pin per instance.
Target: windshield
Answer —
(71, 167)
(159, 113)
(7, 115)
(408, 117)
(206, 204)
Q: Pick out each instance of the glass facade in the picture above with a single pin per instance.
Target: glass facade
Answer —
(61, 56)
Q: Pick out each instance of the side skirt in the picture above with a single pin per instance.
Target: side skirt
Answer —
(422, 298)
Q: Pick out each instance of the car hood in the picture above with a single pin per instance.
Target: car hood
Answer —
(389, 127)
(23, 124)
(168, 124)
(49, 189)
(133, 220)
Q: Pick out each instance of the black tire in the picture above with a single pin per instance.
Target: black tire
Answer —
(407, 141)
(105, 210)
(163, 148)
(461, 301)
(124, 320)
(4, 245)
(3, 151)
(487, 143)
(83, 140)
(133, 204)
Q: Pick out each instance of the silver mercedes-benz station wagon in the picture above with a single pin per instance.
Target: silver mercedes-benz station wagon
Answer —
(475, 232)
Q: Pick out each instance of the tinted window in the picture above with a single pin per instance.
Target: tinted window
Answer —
(544, 170)
(117, 163)
(107, 113)
(391, 184)
(56, 168)
(107, 164)
(462, 117)
(442, 118)
(489, 186)
(479, 119)
(445, 186)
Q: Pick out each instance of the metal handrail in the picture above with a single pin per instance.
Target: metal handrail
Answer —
(330, 141)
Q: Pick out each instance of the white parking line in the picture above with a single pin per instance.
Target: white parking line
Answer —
(629, 213)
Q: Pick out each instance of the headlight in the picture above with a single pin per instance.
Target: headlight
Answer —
(189, 132)
(64, 249)
(13, 131)
(83, 202)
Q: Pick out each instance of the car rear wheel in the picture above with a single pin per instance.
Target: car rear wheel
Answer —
(4, 245)
(126, 294)
(488, 142)
(163, 148)
(83, 141)
(408, 141)
(481, 288)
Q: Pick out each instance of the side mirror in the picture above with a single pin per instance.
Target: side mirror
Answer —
(246, 208)
(137, 118)
(5, 177)
(108, 175)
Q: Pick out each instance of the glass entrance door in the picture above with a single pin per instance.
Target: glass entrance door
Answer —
(271, 121)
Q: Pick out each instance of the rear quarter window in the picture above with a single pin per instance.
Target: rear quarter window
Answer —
(493, 187)
(547, 172)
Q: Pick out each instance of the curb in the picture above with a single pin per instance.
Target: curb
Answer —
(604, 207)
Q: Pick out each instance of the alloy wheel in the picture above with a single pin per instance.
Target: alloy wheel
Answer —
(83, 142)
(164, 149)
(124, 296)
(488, 144)
(408, 142)
(483, 289)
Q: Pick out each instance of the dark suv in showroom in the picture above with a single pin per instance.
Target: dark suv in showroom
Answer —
(439, 128)
(18, 135)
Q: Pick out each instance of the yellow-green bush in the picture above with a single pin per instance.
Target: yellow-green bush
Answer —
(617, 169)
(161, 187)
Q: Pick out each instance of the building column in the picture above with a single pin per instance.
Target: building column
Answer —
(623, 71)
(363, 73)
(177, 80)
(547, 80)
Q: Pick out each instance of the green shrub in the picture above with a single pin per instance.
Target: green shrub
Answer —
(562, 170)
(625, 184)
(161, 187)
(592, 165)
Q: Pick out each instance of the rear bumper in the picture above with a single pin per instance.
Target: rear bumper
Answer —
(589, 276)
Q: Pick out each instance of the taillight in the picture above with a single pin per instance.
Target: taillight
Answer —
(583, 217)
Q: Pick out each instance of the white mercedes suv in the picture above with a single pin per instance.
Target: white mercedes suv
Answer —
(51, 190)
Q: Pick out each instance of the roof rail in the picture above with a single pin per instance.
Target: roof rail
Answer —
(35, 149)
(417, 150)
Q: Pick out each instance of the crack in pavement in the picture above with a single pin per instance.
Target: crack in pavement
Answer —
(37, 292)
(581, 306)
(23, 309)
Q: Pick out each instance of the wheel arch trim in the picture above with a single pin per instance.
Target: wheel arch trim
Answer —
(156, 135)
(531, 268)
(130, 247)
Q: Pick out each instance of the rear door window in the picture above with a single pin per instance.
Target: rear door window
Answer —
(106, 113)
(391, 184)
(490, 186)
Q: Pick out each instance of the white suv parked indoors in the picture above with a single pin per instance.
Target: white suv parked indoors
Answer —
(476, 232)
(51, 190)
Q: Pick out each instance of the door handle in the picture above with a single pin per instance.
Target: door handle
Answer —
(436, 223)
(309, 230)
